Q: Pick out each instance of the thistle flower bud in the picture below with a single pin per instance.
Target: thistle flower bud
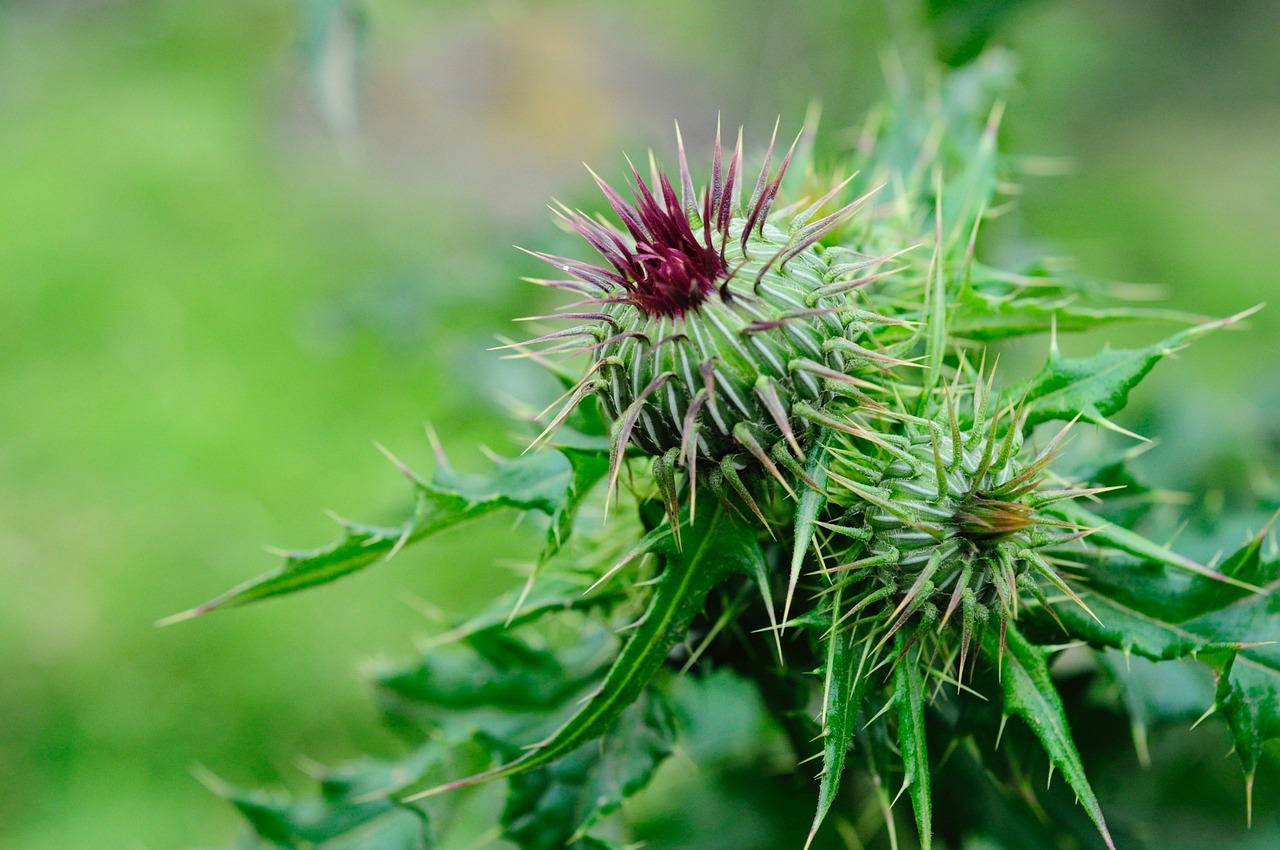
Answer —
(717, 329)
(950, 519)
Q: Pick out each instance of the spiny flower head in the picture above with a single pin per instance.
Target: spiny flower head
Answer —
(949, 518)
(718, 329)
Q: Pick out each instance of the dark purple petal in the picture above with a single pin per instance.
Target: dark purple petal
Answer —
(669, 257)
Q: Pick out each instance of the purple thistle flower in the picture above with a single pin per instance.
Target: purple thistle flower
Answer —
(719, 328)
(674, 258)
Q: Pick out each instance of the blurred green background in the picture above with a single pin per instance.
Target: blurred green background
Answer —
(238, 246)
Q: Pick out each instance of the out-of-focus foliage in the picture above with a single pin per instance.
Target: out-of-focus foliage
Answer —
(961, 28)
(206, 311)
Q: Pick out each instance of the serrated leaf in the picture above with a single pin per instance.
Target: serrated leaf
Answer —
(548, 808)
(1148, 610)
(1245, 567)
(491, 683)
(1098, 386)
(1248, 693)
(1029, 693)
(1248, 696)
(908, 699)
(589, 469)
(1140, 607)
(1162, 615)
(558, 594)
(837, 717)
(716, 546)
(846, 677)
(1145, 608)
(1106, 534)
(544, 481)
(991, 309)
(1128, 629)
(353, 809)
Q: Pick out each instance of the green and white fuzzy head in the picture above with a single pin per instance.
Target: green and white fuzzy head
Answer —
(720, 330)
(945, 519)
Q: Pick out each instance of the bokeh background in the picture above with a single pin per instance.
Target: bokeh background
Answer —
(239, 242)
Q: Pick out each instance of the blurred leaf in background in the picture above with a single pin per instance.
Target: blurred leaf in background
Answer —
(333, 43)
(962, 28)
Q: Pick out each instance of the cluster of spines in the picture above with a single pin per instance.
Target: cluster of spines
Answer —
(660, 373)
(642, 322)
(673, 239)
(948, 513)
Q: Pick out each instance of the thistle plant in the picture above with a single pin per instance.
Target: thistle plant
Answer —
(785, 453)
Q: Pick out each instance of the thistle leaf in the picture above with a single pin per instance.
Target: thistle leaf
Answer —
(1128, 629)
(1104, 533)
(845, 680)
(908, 698)
(547, 481)
(589, 468)
(492, 684)
(1162, 614)
(352, 810)
(558, 594)
(990, 309)
(549, 808)
(716, 546)
(1235, 633)
(1029, 693)
(1098, 386)
(1245, 566)
(1248, 693)
(1248, 696)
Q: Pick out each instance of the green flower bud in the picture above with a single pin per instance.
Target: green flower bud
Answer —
(950, 519)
